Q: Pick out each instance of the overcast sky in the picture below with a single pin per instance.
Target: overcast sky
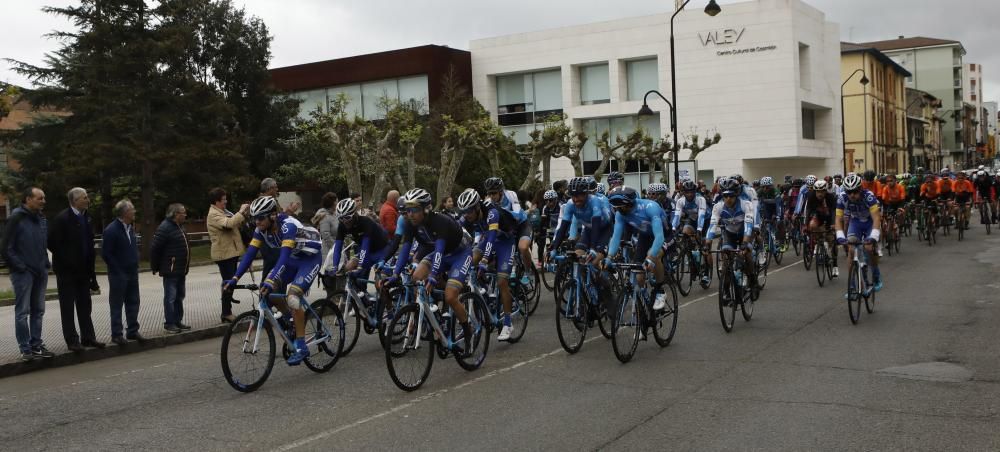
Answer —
(315, 30)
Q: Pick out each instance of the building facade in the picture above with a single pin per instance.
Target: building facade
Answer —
(763, 74)
(936, 67)
(874, 112)
(923, 130)
(972, 93)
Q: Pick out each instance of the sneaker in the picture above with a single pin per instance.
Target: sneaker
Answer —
(525, 280)
(42, 352)
(301, 353)
(183, 327)
(27, 357)
(705, 281)
(505, 333)
(878, 285)
(171, 328)
(836, 271)
(661, 302)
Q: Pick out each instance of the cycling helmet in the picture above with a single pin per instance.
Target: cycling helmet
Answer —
(730, 186)
(852, 182)
(616, 178)
(468, 199)
(838, 176)
(263, 206)
(982, 167)
(869, 175)
(591, 184)
(346, 207)
(767, 181)
(622, 196)
(417, 197)
(737, 177)
(689, 185)
(810, 180)
(944, 173)
(579, 186)
(820, 185)
(550, 194)
(755, 183)
(601, 190)
(981, 173)
(493, 184)
(656, 188)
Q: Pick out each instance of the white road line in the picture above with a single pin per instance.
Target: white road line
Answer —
(438, 393)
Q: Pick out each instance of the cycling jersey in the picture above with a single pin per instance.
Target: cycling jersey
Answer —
(893, 194)
(963, 190)
(497, 228)
(300, 251)
(860, 211)
(874, 186)
(822, 208)
(369, 234)
(804, 192)
(749, 194)
(944, 185)
(929, 190)
(984, 185)
(736, 220)
(647, 220)
(769, 204)
(441, 241)
(510, 202)
(595, 216)
(691, 210)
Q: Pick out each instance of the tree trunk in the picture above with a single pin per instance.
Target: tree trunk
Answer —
(547, 171)
(532, 171)
(411, 167)
(148, 209)
(451, 161)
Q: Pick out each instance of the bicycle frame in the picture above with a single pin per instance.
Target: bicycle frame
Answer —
(264, 311)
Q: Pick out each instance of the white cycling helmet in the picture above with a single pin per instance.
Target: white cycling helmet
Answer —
(346, 208)
(852, 182)
(263, 206)
(550, 195)
(820, 185)
(810, 180)
(766, 181)
(468, 199)
(656, 188)
(417, 197)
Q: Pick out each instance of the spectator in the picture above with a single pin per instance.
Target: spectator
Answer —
(25, 251)
(362, 210)
(447, 207)
(120, 251)
(227, 245)
(170, 256)
(388, 215)
(326, 221)
(71, 241)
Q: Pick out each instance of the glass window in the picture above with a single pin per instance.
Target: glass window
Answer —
(595, 85)
(547, 93)
(642, 76)
(415, 89)
(808, 124)
(353, 94)
(514, 93)
(372, 92)
(311, 101)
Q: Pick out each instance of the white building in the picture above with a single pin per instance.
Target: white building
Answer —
(991, 117)
(972, 83)
(763, 73)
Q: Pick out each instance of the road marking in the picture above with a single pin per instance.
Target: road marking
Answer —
(440, 392)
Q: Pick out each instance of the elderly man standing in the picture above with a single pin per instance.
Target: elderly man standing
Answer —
(120, 251)
(71, 241)
(227, 245)
(388, 215)
(170, 256)
(24, 248)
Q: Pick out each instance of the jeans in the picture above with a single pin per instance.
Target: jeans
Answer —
(124, 292)
(173, 299)
(29, 296)
(74, 295)
(227, 269)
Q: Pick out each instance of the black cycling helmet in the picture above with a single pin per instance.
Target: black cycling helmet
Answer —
(592, 183)
(688, 185)
(622, 196)
(493, 184)
(730, 186)
(616, 178)
(579, 186)
(869, 175)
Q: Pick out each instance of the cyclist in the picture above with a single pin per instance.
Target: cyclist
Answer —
(299, 260)
(947, 194)
(507, 199)
(690, 212)
(658, 192)
(616, 179)
(864, 224)
(363, 230)
(498, 229)
(770, 207)
(963, 190)
(869, 183)
(819, 211)
(646, 220)
(590, 213)
(893, 198)
(550, 213)
(803, 194)
(985, 186)
(734, 217)
(442, 247)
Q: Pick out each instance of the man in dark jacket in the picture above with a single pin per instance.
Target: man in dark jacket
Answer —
(71, 241)
(120, 250)
(24, 249)
(170, 256)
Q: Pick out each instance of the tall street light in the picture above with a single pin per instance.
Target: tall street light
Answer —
(843, 139)
(712, 9)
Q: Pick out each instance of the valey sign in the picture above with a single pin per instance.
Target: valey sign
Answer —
(721, 37)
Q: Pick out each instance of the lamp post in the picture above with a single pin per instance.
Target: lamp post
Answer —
(843, 138)
(712, 9)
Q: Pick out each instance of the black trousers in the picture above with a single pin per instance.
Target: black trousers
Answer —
(74, 296)
(227, 268)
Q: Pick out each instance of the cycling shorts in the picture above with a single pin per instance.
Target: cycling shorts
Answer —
(524, 231)
(947, 196)
(824, 220)
(731, 240)
(963, 197)
(456, 264)
(689, 222)
(505, 250)
(859, 229)
(768, 211)
(301, 271)
(642, 246)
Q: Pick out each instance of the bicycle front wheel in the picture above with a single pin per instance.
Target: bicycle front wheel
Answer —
(854, 287)
(247, 352)
(665, 320)
(518, 315)
(728, 300)
(409, 351)
(626, 326)
(821, 267)
(352, 326)
(572, 315)
(479, 319)
(683, 274)
(324, 336)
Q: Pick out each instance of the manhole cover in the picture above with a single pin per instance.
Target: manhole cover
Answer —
(933, 371)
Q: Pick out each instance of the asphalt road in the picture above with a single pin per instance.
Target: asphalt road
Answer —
(921, 373)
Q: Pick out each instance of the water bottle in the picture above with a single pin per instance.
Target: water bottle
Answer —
(697, 256)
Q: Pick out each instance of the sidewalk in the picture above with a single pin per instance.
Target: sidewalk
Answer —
(202, 310)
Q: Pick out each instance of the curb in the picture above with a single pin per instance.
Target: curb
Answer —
(111, 351)
(10, 301)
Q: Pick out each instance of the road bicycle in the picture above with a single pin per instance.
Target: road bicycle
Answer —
(688, 265)
(364, 310)
(532, 291)
(578, 304)
(634, 315)
(985, 216)
(735, 287)
(487, 287)
(248, 346)
(824, 258)
(859, 282)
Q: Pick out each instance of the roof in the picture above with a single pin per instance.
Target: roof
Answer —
(850, 47)
(909, 43)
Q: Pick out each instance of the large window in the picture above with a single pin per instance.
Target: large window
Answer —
(311, 101)
(363, 99)
(808, 124)
(524, 99)
(595, 85)
(616, 126)
(642, 76)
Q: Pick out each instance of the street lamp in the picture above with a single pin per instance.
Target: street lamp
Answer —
(712, 9)
(843, 139)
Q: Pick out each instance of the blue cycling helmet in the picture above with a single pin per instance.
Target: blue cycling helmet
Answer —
(622, 196)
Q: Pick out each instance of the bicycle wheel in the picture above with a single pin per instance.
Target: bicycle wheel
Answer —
(748, 301)
(571, 315)
(518, 315)
(821, 264)
(625, 327)
(548, 278)
(245, 368)
(352, 324)
(665, 322)
(777, 253)
(531, 291)
(807, 254)
(479, 319)
(961, 228)
(761, 268)
(684, 273)
(397, 299)
(410, 353)
(854, 286)
(600, 315)
(728, 300)
(325, 336)
(870, 299)
(797, 241)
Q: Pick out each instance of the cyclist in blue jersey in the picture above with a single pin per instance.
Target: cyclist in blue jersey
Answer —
(442, 247)
(498, 229)
(591, 214)
(803, 194)
(689, 215)
(647, 220)
(507, 199)
(363, 230)
(615, 179)
(865, 223)
(734, 218)
(299, 261)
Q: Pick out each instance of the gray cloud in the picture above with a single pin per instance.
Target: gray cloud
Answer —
(314, 30)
